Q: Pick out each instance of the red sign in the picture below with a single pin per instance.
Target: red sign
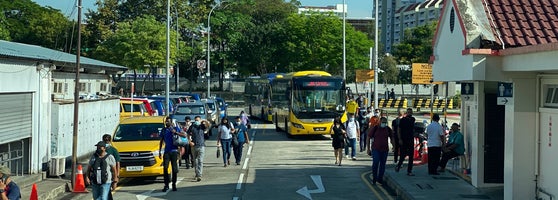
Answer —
(316, 84)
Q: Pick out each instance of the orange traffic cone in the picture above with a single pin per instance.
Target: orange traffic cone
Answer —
(34, 194)
(79, 185)
(424, 158)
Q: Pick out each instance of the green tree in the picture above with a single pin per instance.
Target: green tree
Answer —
(138, 44)
(389, 65)
(416, 46)
(257, 51)
(27, 22)
(4, 32)
(315, 42)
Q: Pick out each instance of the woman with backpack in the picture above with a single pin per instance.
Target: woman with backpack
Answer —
(241, 134)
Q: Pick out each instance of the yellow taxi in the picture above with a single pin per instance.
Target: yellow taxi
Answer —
(130, 108)
(137, 140)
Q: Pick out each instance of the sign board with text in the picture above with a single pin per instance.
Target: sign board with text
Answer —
(422, 74)
(364, 75)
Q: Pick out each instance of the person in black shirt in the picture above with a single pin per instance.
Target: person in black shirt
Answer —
(405, 133)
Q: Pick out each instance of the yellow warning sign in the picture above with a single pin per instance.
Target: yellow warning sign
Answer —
(422, 74)
(364, 75)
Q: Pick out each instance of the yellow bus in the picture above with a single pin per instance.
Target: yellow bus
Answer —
(261, 92)
(310, 101)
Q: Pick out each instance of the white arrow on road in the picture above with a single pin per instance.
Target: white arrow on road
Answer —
(145, 195)
(318, 182)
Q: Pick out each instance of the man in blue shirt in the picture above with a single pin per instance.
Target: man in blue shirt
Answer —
(8, 189)
(171, 152)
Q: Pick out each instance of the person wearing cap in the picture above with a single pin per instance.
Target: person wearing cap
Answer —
(8, 188)
(111, 150)
(101, 191)
(454, 147)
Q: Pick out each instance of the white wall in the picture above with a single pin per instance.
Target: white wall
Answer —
(94, 81)
(23, 76)
(548, 178)
(449, 63)
(520, 140)
(96, 118)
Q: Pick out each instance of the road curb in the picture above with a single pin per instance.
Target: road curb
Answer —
(399, 190)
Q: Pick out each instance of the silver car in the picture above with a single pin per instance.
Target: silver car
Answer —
(191, 110)
(213, 110)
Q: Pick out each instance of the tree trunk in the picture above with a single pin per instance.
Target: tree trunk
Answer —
(143, 82)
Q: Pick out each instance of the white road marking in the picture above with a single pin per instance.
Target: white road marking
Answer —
(249, 149)
(239, 182)
(304, 191)
(245, 165)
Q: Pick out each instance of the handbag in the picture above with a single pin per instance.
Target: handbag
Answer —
(218, 152)
(178, 140)
(235, 139)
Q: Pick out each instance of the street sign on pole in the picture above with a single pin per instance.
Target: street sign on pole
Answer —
(364, 75)
(201, 64)
(422, 74)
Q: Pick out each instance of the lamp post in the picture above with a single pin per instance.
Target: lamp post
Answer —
(376, 55)
(209, 49)
(344, 44)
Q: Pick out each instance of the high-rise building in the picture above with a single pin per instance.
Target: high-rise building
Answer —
(360, 24)
(397, 15)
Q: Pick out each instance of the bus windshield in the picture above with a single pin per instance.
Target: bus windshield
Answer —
(317, 97)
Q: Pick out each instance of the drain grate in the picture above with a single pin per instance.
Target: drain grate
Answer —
(474, 196)
(445, 178)
(425, 186)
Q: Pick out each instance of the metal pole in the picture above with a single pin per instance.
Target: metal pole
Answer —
(177, 82)
(446, 107)
(344, 44)
(76, 99)
(376, 56)
(209, 50)
(167, 87)
(431, 100)
(368, 92)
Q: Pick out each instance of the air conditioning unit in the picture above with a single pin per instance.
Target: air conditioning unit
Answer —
(57, 166)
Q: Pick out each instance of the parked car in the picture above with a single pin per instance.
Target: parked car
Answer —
(213, 110)
(137, 140)
(148, 106)
(192, 110)
(162, 99)
(187, 94)
(132, 109)
(222, 106)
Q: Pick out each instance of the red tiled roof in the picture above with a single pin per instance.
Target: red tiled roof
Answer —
(524, 22)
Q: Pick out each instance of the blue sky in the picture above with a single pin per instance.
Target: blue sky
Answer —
(355, 8)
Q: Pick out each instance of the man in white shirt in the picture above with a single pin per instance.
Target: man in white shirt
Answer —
(436, 141)
(353, 134)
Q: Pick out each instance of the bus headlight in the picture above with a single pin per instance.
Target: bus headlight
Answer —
(297, 125)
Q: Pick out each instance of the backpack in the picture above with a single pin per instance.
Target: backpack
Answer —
(100, 173)
(356, 122)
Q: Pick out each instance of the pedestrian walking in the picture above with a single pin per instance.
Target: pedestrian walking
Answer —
(9, 190)
(241, 132)
(363, 122)
(111, 150)
(352, 128)
(196, 138)
(245, 120)
(186, 151)
(406, 141)
(394, 127)
(380, 135)
(454, 147)
(225, 138)
(171, 153)
(101, 173)
(338, 140)
(435, 141)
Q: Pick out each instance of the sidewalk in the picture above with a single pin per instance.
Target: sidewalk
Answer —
(47, 188)
(447, 185)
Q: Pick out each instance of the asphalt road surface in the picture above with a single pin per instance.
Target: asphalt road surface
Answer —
(273, 167)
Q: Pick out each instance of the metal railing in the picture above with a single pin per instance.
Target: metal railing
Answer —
(13, 157)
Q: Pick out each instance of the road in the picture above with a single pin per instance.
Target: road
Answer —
(273, 167)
